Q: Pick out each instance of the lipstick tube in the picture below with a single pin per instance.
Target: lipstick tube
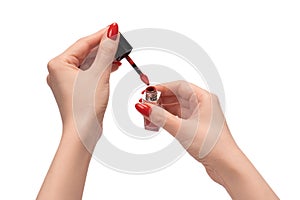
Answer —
(151, 95)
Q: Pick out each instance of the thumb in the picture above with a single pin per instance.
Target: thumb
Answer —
(106, 50)
(160, 117)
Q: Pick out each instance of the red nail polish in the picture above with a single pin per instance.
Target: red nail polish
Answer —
(113, 31)
(144, 109)
(117, 63)
(141, 100)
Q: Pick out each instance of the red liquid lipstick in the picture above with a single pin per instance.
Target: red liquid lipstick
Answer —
(151, 96)
(143, 77)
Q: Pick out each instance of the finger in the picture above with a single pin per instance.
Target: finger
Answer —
(115, 66)
(77, 52)
(181, 89)
(166, 89)
(160, 117)
(188, 95)
(187, 103)
(178, 110)
(168, 99)
(199, 92)
(88, 61)
(172, 108)
(106, 51)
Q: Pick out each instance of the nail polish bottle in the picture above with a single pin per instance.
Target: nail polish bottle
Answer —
(151, 95)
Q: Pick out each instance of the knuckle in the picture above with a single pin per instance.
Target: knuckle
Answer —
(183, 82)
(84, 43)
(81, 40)
(48, 80)
(51, 66)
(185, 88)
(184, 85)
(214, 98)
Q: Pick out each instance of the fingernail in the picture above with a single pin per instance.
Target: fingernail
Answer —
(141, 100)
(113, 31)
(117, 63)
(144, 109)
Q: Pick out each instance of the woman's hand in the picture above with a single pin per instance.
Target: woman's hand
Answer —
(195, 118)
(81, 85)
(190, 114)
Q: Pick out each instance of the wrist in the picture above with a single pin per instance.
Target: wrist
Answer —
(67, 173)
(224, 150)
(87, 133)
(227, 165)
(222, 162)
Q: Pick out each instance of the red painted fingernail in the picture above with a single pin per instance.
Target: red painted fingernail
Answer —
(141, 100)
(117, 63)
(144, 109)
(113, 31)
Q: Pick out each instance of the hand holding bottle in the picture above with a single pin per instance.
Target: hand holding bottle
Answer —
(195, 118)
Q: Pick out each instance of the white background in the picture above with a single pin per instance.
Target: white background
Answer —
(255, 46)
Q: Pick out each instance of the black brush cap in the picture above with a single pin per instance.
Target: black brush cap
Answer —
(124, 48)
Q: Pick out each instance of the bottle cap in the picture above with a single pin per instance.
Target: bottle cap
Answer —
(124, 48)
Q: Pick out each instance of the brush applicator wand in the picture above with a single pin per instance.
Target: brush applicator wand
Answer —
(123, 51)
(143, 77)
